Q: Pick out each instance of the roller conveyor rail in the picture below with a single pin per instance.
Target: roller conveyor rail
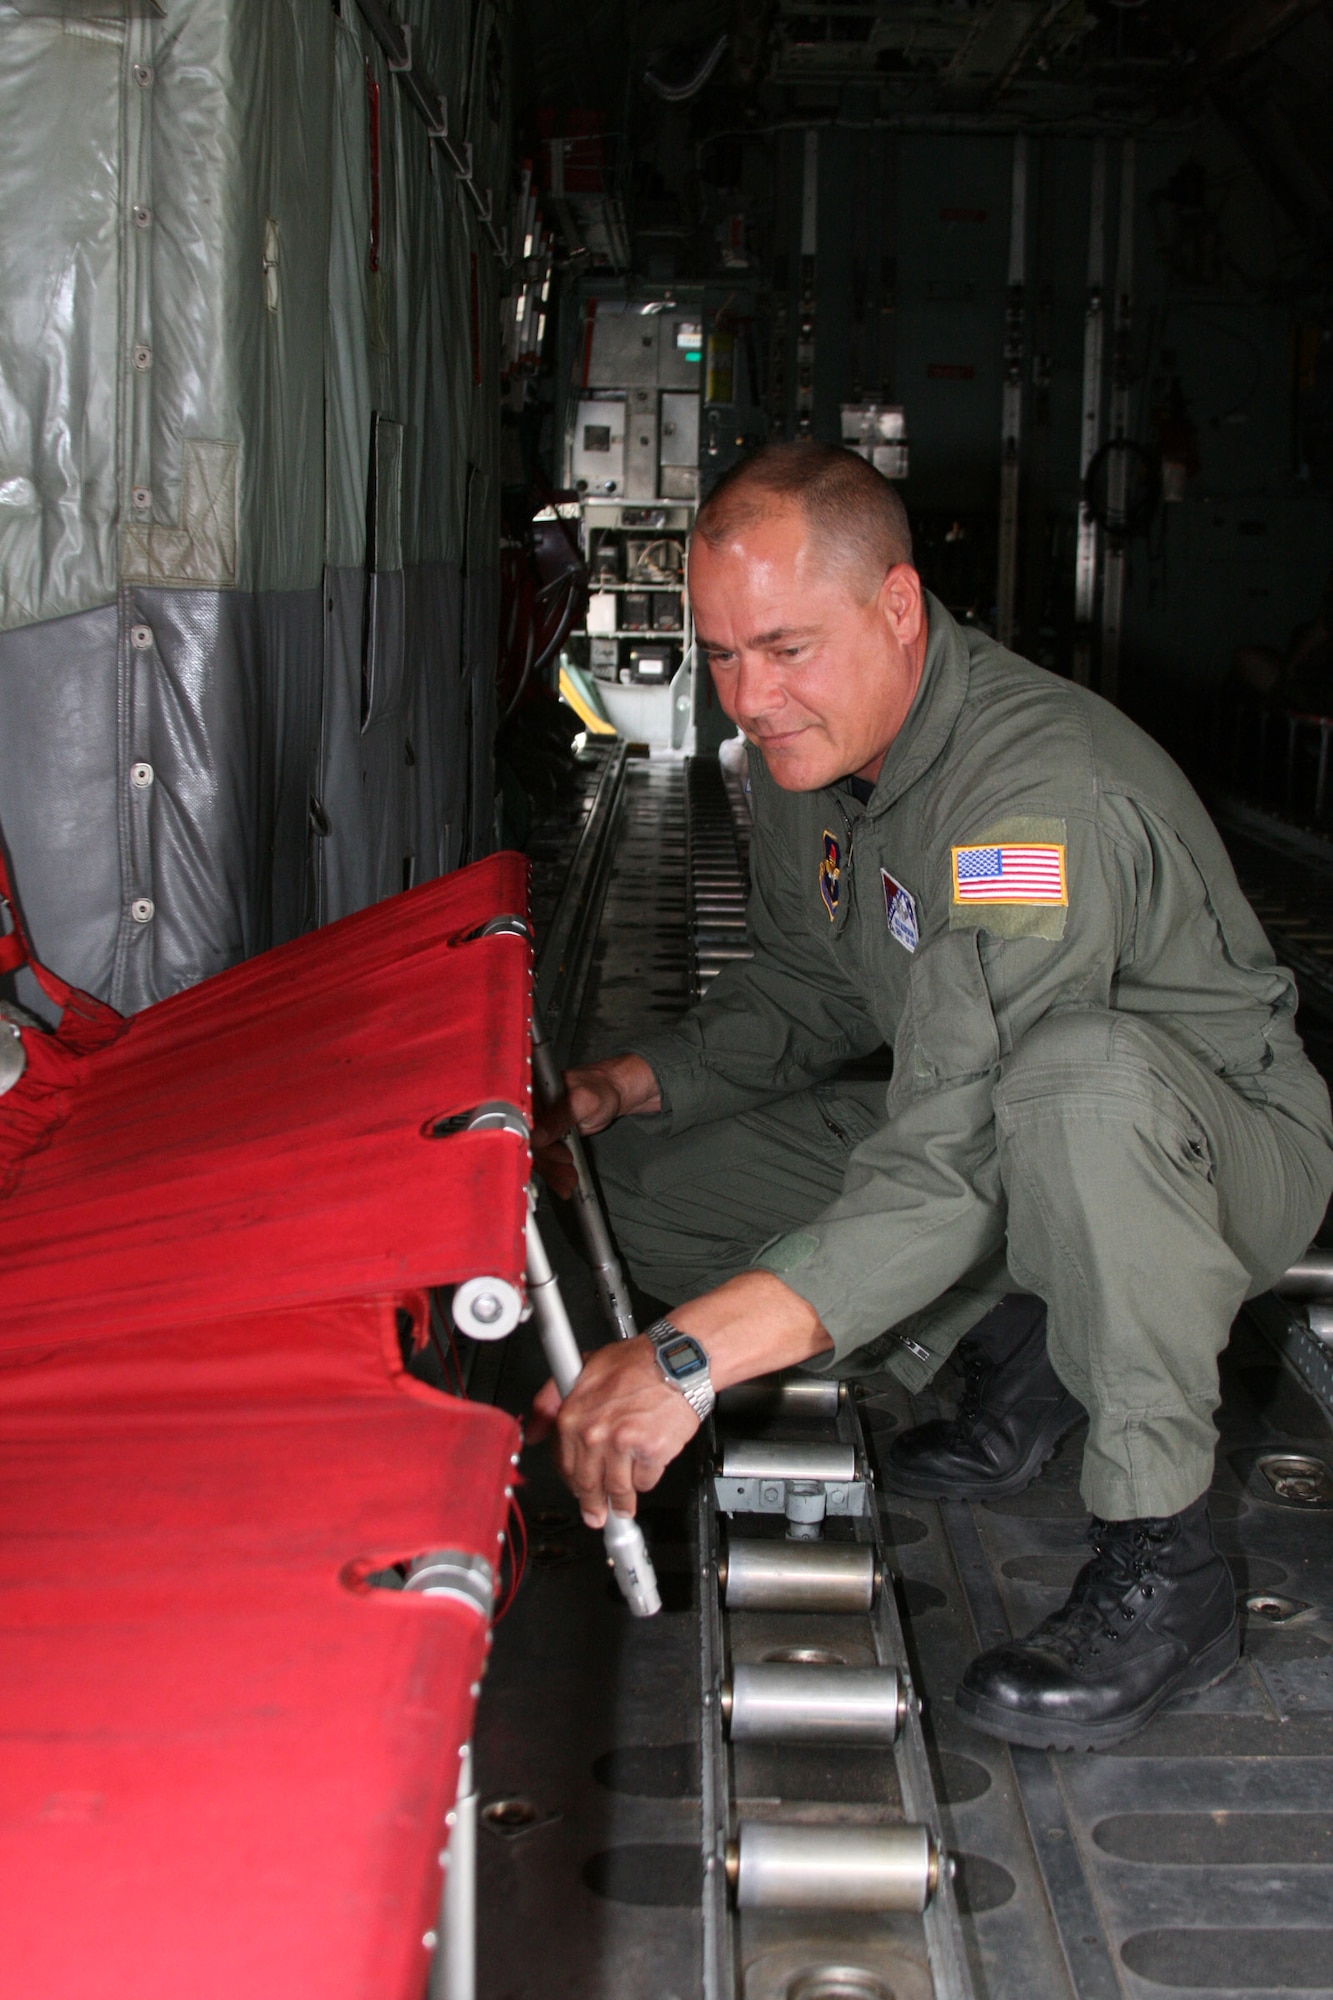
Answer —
(816, 1611)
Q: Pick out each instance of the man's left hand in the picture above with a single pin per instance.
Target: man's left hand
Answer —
(617, 1430)
(623, 1423)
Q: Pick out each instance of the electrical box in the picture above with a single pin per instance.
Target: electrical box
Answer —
(650, 666)
(680, 445)
(641, 445)
(655, 559)
(637, 610)
(878, 432)
(623, 350)
(599, 447)
(605, 560)
(601, 612)
(666, 611)
(682, 349)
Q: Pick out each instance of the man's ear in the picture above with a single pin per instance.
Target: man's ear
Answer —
(903, 604)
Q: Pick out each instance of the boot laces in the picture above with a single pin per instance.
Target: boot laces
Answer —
(977, 1370)
(1100, 1610)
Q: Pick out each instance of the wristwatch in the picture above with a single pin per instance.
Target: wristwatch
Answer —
(685, 1365)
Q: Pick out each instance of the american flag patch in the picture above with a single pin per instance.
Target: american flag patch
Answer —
(1029, 873)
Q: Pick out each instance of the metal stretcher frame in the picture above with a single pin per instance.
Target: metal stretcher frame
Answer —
(229, 1759)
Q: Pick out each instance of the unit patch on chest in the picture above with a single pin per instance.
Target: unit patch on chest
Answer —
(900, 912)
(830, 874)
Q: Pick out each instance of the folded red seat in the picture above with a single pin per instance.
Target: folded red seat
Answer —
(228, 1758)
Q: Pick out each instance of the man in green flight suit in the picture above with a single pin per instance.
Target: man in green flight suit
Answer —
(1101, 1134)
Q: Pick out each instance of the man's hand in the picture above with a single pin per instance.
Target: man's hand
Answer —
(617, 1430)
(623, 1423)
(594, 1098)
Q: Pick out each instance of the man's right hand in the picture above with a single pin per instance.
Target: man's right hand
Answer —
(594, 1097)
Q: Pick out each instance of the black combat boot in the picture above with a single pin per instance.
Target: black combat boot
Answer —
(1151, 1616)
(1013, 1413)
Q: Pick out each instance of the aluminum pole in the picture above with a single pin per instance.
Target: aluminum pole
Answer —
(805, 325)
(1011, 424)
(625, 1547)
(1090, 437)
(453, 1971)
(1113, 584)
(610, 1279)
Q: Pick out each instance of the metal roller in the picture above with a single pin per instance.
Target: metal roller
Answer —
(783, 1867)
(798, 1576)
(749, 1458)
(813, 1396)
(1310, 1277)
(771, 1703)
(1321, 1323)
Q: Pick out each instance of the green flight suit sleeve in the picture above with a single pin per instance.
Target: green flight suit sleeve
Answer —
(922, 1203)
(774, 1024)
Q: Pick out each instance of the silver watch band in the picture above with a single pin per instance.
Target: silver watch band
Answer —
(700, 1393)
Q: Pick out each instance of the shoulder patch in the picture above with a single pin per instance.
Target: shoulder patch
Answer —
(830, 874)
(1012, 879)
(900, 912)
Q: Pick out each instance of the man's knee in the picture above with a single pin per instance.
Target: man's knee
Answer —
(1087, 1108)
(1056, 1057)
(620, 1154)
(1079, 1054)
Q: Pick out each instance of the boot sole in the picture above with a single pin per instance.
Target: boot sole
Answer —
(1036, 1732)
(1043, 1449)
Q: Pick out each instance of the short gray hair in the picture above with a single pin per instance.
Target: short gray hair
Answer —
(846, 502)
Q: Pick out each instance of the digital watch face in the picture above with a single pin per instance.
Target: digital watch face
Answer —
(683, 1359)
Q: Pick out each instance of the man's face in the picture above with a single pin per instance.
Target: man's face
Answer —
(820, 679)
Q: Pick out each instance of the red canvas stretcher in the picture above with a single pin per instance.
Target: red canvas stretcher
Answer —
(260, 1140)
(227, 1760)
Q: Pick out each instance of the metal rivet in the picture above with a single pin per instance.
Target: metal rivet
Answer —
(143, 357)
(143, 75)
(430, 1940)
(141, 909)
(141, 637)
(487, 1308)
(475, 1690)
(141, 776)
(141, 497)
(142, 216)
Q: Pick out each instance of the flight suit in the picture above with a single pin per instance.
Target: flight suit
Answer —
(1098, 1092)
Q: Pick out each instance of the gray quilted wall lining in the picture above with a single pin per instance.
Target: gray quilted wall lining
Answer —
(248, 514)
